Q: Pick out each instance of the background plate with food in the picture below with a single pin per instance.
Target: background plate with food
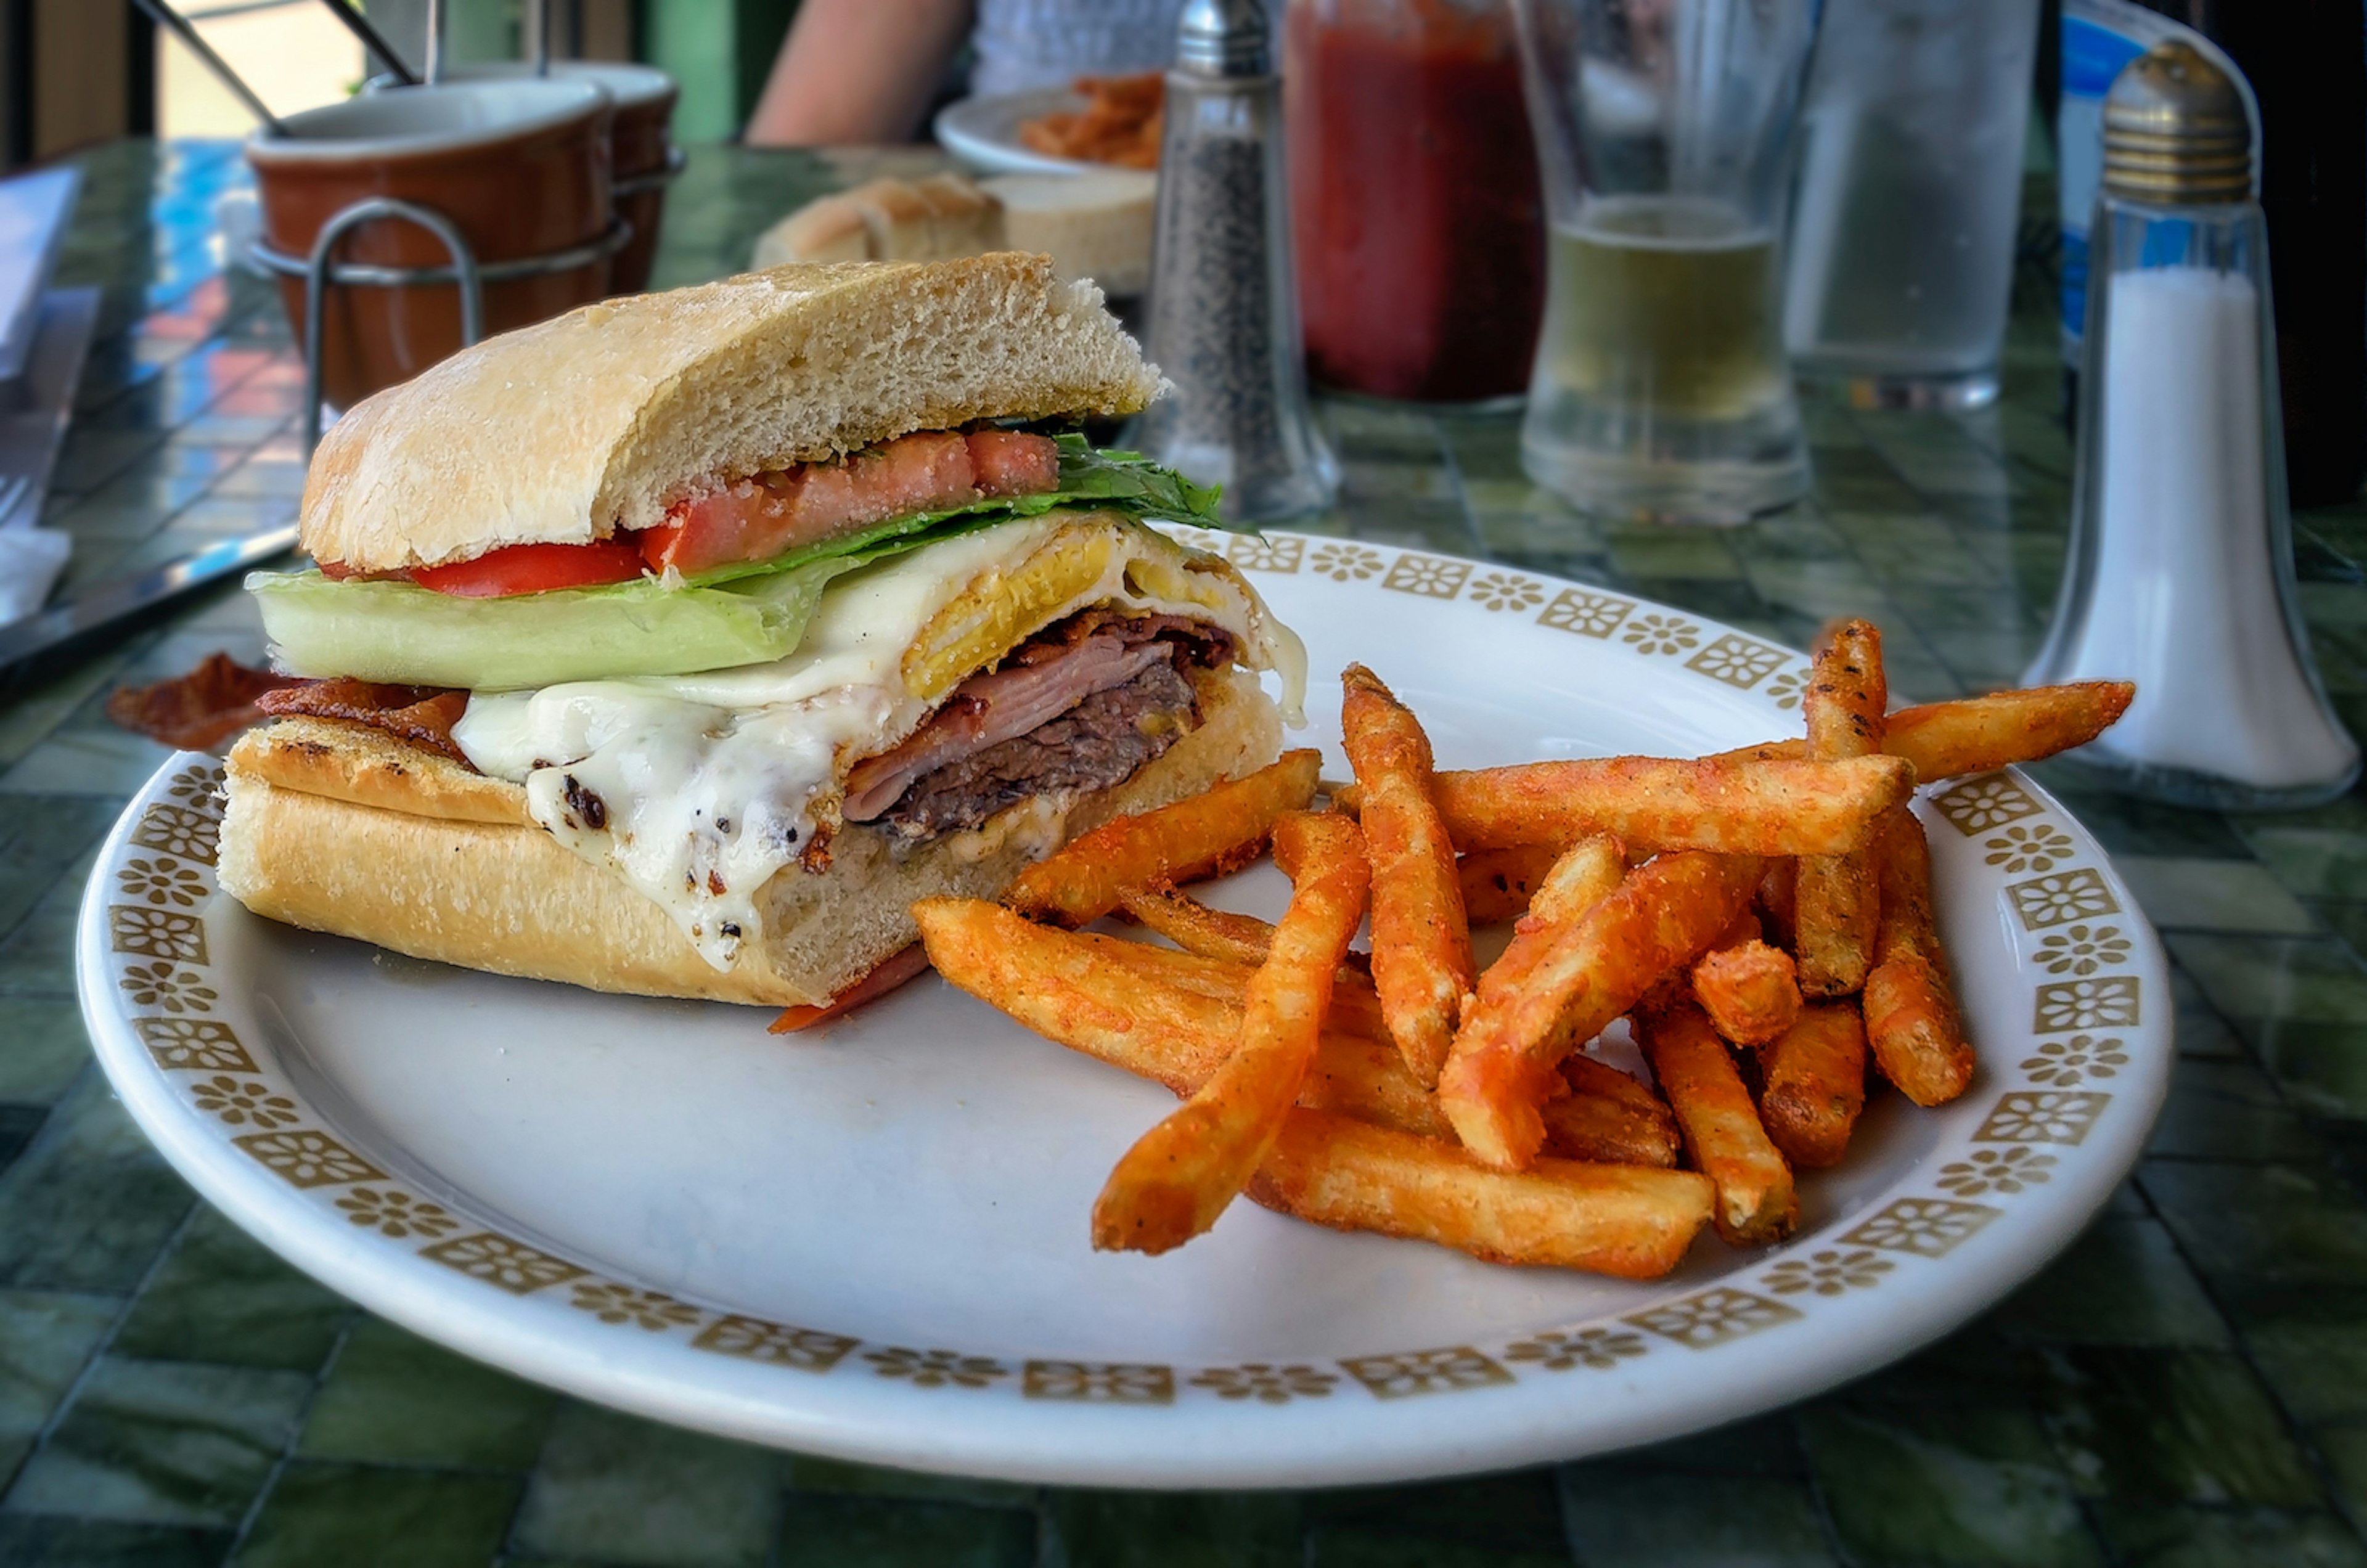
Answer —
(872, 1239)
(1098, 121)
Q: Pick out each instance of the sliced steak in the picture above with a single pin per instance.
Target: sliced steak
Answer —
(1099, 742)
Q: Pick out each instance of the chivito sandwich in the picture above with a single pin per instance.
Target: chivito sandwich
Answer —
(677, 644)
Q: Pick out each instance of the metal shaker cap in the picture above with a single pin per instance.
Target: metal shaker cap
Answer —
(1223, 38)
(2175, 131)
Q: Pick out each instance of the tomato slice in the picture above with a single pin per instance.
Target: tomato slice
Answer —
(534, 568)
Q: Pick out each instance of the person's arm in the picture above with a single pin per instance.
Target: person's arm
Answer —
(857, 71)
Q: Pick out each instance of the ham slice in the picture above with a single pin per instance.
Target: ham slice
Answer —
(986, 710)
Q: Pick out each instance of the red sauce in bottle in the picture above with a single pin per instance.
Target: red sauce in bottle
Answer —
(1415, 201)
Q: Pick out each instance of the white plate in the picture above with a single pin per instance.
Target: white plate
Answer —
(983, 133)
(874, 1244)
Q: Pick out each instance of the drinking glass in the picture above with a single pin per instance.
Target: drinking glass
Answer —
(1911, 181)
(1664, 129)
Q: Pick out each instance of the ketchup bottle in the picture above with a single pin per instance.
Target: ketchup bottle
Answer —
(1415, 202)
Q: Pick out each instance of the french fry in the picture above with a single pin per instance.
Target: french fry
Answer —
(1634, 1222)
(1206, 835)
(1785, 807)
(1421, 938)
(1745, 985)
(1560, 983)
(1218, 933)
(1184, 1173)
(1837, 900)
(1498, 884)
(1169, 1017)
(1610, 1117)
(1755, 1198)
(1778, 902)
(1582, 877)
(1912, 1019)
(1980, 735)
(1816, 1084)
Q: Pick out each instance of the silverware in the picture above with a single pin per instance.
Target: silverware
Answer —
(12, 495)
(125, 597)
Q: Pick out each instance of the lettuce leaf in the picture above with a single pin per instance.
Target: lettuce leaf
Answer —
(748, 613)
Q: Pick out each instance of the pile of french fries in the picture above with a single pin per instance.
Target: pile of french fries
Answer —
(1761, 919)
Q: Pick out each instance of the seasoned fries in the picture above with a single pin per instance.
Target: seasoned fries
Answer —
(1747, 986)
(1816, 1084)
(1980, 735)
(1182, 1174)
(1609, 1117)
(1836, 900)
(1208, 835)
(1631, 1221)
(1721, 1127)
(1699, 898)
(1786, 807)
(1910, 1009)
(1560, 983)
(1421, 939)
(1498, 884)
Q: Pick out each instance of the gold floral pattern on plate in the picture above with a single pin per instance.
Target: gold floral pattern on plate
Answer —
(2060, 1064)
(2039, 846)
(611, 1302)
(164, 984)
(1276, 553)
(305, 1158)
(1927, 1227)
(1785, 689)
(2003, 1171)
(1449, 1370)
(503, 1261)
(204, 1044)
(1345, 563)
(1985, 801)
(1506, 591)
(157, 933)
(242, 1102)
(775, 1344)
(181, 830)
(936, 1369)
(1266, 1382)
(2057, 900)
(2108, 1001)
(1739, 661)
(161, 881)
(395, 1214)
(1713, 1317)
(1432, 577)
(2083, 950)
(1099, 1383)
(1658, 634)
(2042, 1116)
(200, 788)
(1827, 1273)
(1559, 1351)
(1581, 613)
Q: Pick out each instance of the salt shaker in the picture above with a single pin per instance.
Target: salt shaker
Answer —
(2180, 570)
(1223, 305)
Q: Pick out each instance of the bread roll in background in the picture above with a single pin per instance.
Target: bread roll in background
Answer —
(1093, 225)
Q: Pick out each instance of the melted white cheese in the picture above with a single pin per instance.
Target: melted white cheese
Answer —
(697, 788)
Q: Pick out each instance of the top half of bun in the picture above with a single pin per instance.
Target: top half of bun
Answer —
(598, 420)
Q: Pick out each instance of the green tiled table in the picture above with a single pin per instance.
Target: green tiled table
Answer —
(2188, 1385)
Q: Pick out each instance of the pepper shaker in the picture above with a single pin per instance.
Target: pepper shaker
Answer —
(1223, 305)
(2180, 572)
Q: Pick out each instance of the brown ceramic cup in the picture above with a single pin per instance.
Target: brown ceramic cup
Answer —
(521, 167)
(640, 144)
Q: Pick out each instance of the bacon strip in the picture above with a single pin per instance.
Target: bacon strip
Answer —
(422, 715)
(199, 710)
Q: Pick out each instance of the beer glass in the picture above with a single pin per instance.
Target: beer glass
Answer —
(1664, 132)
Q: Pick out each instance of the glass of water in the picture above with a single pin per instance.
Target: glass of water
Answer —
(1664, 128)
(1911, 181)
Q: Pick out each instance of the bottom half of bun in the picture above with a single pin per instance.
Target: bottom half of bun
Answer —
(337, 828)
